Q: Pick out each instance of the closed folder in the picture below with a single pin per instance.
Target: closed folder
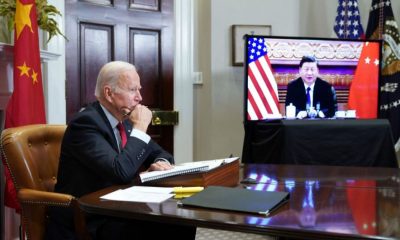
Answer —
(237, 199)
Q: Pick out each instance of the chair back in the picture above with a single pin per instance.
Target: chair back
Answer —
(32, 155)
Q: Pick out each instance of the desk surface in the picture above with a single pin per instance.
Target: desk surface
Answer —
(326, 202)
(337, 142)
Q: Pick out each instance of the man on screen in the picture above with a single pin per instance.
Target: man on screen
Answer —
(312, 96)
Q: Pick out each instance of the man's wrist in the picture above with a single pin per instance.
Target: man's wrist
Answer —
(161, 160)
(140, 134)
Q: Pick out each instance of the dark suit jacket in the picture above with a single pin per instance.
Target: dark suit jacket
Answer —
(90, 159)
(324, 94)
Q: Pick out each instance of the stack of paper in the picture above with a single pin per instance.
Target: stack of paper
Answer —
(150, 194)
(140, 194)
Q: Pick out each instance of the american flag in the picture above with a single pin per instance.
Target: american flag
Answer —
(348, 21)
(262, 96)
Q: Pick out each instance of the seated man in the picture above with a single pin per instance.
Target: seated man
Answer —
(106, 144)
(312, 96)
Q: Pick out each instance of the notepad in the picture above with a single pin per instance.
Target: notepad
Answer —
(186, 168)
(177, 170)
(237, 199)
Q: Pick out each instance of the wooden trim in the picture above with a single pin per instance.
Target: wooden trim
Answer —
(238, 33)
(183, 81)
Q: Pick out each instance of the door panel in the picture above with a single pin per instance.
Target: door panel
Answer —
(145, 5)
(144, 55)
(137, 31)
(92, 38)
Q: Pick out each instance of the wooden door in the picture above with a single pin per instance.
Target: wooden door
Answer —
(136, 31)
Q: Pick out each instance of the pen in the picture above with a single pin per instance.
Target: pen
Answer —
(179, 190)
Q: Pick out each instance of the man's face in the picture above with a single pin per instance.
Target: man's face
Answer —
(126, 95)
(309, 72)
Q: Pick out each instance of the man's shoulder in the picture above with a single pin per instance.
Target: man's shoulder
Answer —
(90, 111)
(295, 81)
(323, 83)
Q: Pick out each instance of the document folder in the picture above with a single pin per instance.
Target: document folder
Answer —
(226, 174)
(237, 199)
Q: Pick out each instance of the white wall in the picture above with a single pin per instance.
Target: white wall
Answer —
(218, 103)
(54, 73)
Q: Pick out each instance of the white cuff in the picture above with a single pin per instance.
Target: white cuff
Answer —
(161, 160)
(141, 135)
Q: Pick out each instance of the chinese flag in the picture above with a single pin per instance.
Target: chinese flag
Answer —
(26, 105)
(363, 95)
(361, 197)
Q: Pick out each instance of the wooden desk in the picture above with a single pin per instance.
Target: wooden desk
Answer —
(340, 142)
(326, 203)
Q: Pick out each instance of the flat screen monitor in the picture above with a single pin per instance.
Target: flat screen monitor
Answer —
(272, 62)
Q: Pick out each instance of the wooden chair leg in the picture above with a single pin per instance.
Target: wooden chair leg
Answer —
(22, 233)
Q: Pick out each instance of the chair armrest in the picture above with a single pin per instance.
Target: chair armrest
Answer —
(30, 196)
(35, 197)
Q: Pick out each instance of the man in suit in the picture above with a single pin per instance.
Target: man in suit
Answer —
(106, 144)
(312, 96)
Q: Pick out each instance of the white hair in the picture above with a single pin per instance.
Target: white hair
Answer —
(109, 75)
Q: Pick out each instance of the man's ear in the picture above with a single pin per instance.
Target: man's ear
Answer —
(107, 93)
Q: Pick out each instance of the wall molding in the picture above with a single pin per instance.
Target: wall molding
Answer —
(183, 80)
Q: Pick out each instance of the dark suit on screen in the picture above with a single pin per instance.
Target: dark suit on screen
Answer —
(324, 94)
(90, 160)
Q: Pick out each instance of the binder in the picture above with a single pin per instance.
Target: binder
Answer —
(224, 175)
(237, 199)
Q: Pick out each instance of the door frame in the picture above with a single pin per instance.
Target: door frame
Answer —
(183, 80)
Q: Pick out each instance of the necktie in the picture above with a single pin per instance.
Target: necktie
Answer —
(122, 133)
(308, 103)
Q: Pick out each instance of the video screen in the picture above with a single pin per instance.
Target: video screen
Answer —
(296, 78)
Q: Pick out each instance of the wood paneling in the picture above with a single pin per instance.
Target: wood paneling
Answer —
(100, 2)
(145, 4)
(144, 54)
(92, 38)
(139, 32)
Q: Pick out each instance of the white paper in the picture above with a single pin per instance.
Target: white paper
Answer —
(211, 163)
(150, 189)
(177, 170)
(141, 195)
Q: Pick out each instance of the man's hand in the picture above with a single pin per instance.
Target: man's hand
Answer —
(160, 166)
(302, 114)
(140, 117)
(312, 113)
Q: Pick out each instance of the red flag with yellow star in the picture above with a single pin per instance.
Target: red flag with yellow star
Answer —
(363, 96)
(26, 105)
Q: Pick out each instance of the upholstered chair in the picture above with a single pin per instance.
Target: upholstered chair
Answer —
(32, 154)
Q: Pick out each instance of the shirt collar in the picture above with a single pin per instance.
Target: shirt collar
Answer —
(311, 86)
(113, 121)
